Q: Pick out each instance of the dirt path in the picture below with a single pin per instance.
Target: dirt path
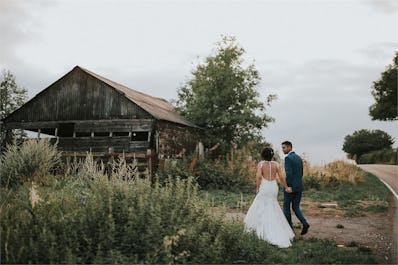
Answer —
(374, 230)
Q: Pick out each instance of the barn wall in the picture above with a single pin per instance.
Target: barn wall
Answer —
(173, 137)
(97, 136)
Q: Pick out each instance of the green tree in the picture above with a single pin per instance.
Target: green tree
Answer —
(365, 141)
(384, 92)
(221, 97)
(12, 97)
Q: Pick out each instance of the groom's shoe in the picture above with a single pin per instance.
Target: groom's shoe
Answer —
(305, 229)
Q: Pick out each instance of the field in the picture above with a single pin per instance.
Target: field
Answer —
(88, 215)
(352, 215)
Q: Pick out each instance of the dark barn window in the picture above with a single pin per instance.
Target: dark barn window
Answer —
(66, 129)
(139, 136)
(49, 131)
(120, 134)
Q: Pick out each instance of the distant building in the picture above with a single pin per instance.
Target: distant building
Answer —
(83, 112)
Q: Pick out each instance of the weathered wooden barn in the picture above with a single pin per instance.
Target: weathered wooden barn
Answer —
(87, 112)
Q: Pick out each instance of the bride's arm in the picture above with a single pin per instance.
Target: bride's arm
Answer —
(280, 177)
(259, 176)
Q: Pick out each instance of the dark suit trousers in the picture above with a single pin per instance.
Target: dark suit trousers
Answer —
(293, 199)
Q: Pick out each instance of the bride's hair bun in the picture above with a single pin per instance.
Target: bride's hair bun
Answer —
(267, 153)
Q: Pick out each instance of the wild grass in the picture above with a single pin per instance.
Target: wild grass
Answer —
(355, 200)
(235, 172)
(231, 200)
(106, 221)
(32, 161)
(331, 174)
(102, 217)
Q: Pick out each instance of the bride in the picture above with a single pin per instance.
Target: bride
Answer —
(265, 216)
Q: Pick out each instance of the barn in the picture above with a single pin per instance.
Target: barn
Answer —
(85, 112)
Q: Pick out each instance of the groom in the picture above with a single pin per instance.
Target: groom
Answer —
(292, 197)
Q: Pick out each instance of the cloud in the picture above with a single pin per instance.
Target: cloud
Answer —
(320, 102)
(19, 26)
(12, 29)
(377, 53)
(384, 6)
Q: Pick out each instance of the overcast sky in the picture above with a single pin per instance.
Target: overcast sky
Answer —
(319, 57)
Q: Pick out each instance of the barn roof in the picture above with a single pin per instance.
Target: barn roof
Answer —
(159, 108)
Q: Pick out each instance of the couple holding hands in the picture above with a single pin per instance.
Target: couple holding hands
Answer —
(265, 216)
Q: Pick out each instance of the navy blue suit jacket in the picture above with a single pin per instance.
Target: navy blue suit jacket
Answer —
(294, 171)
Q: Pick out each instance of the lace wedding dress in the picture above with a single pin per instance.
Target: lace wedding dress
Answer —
(265, 216)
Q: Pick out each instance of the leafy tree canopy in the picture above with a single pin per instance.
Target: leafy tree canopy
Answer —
(384, 92)
(12, 97)
(221, 97)
(365, 141)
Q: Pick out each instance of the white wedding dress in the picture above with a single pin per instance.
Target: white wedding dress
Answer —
(265, 216)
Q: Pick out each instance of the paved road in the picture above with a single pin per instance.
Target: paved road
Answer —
(387, 173)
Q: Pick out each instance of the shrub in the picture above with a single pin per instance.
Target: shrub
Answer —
(99, 220)
(385, 156)
(312, 182)
(233, 172)
(105, 220)
(32, 161)
(331, 175)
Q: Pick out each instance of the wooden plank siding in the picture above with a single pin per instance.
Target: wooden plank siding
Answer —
(88, 126)
(118, 144)
(173, 137)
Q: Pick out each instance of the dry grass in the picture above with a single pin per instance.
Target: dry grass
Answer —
(335, 171)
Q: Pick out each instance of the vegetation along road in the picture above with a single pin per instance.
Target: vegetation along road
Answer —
(387, 173)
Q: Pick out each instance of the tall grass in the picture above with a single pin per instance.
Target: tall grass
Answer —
(32, 161)
(235, 171)
(331, 174)
(111, 221)
(93, 216)
(104, 221)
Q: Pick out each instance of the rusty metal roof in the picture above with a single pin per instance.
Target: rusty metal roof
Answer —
(159, 108)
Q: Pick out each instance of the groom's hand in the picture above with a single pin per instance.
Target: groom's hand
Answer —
(289, 190)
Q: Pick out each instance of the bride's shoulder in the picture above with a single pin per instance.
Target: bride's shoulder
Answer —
(275, 163)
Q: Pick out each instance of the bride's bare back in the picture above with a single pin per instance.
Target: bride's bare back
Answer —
(270, 170)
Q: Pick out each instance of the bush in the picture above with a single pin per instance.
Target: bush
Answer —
(234, 172)
(331, 175)
(78, 220)
(90, 217)
(32, 161)
(312, 182)
(221, 176)
(385, 156)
